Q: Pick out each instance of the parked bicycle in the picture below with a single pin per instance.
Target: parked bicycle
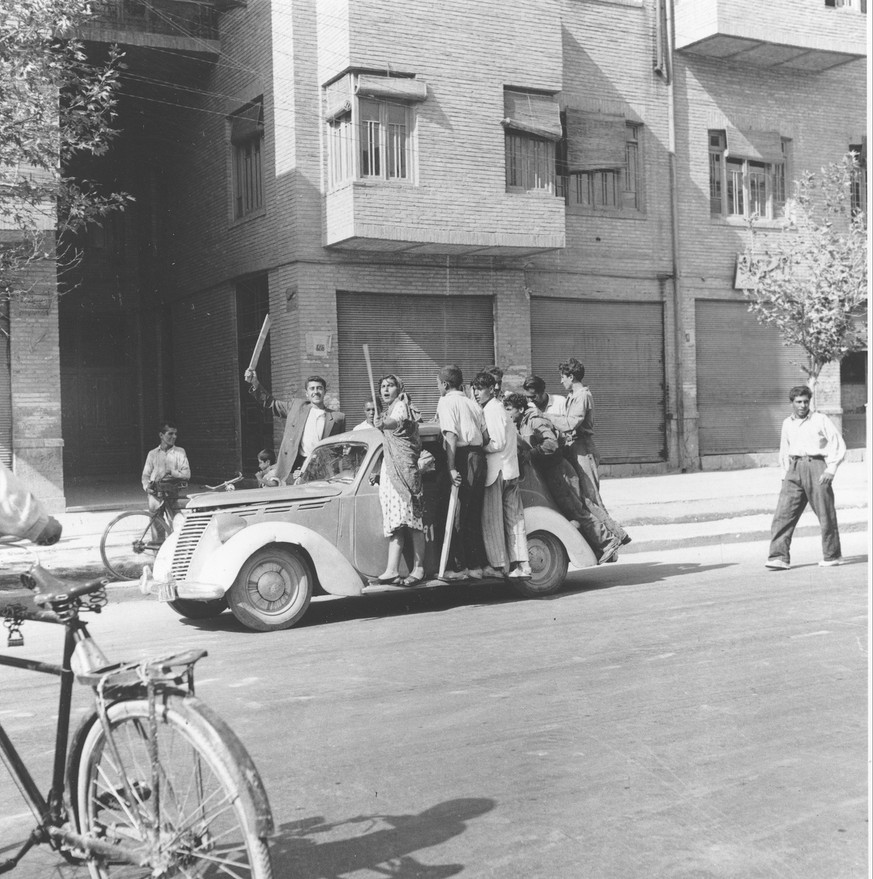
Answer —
(152, 784)
(132, 539)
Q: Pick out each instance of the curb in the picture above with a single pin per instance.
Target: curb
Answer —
(754, 536)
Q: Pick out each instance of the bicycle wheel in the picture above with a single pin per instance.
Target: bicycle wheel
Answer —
(208, 796)
(130, 542)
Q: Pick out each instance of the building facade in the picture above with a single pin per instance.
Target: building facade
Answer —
(481, 183)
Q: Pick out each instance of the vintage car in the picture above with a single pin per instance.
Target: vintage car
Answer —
(265, 552)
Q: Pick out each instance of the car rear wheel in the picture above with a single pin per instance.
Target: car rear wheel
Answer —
(199, 610)
(272, 589)
(548, 562)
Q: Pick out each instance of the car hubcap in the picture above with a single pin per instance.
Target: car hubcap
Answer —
(271, 582)
(538, 557)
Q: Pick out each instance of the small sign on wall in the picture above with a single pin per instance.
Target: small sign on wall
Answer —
(319, 344)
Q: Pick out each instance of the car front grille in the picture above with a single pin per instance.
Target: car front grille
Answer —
(197, 520)
(192, 531)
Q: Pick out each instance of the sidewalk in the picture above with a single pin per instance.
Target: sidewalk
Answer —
(659, 513)
(725, 506)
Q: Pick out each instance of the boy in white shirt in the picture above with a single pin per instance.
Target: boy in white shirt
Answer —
(502, 512)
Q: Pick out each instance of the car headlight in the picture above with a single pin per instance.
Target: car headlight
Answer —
(228, 524)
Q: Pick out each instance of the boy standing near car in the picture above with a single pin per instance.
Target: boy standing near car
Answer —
(502, 512)
(810, 450)
(464, 435)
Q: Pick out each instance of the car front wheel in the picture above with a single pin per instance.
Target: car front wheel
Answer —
(272, 589)
(548, 563)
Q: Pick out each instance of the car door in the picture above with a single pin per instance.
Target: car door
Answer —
(369, 544)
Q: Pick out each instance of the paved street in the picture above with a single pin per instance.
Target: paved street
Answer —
(682, 714)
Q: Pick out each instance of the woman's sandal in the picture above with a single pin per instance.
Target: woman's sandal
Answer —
(412, 581)
(386, 581)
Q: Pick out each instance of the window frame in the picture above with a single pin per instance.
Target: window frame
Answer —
(858, 182)
(738, 186)
(347, 161)
(247, 167)
(527, 159)
(616, 179)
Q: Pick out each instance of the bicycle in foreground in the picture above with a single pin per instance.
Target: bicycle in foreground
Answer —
(132, 539)
(152, 784)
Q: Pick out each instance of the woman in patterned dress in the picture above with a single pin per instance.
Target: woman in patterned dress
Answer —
(400, 492)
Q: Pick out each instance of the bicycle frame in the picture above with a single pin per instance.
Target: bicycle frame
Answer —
(51, 810)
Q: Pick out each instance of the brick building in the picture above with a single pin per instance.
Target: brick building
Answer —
(480, 183)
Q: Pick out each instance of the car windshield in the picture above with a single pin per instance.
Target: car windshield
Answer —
(337, 462)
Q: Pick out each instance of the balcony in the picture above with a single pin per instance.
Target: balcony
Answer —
(184, 25)
(406, 219)
(801, 35)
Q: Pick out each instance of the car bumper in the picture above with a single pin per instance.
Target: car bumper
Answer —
(170, 589)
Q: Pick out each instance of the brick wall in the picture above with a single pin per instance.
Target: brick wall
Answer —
(35, 380)
(597, 54)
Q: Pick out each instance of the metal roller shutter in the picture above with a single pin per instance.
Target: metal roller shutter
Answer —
(743, 376)
(622, 347)
(412, 336)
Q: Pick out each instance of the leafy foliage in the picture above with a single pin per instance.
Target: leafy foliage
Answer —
(55, 106)
(810, 280)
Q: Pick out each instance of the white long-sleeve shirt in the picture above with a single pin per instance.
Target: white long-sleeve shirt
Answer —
(501, 453)
(814, 435)
(21, 514)
(160, 463)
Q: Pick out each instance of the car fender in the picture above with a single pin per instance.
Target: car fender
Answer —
(333, 571)
(163, 566)
(539, 518)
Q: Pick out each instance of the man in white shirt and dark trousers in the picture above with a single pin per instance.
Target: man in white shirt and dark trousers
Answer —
(464, 434)
(502, 511)
(810, 451)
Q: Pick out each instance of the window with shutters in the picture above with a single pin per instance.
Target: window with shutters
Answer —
(370, 127)
(246, 140)
(617, 190)
(532, 127)
(747, 174)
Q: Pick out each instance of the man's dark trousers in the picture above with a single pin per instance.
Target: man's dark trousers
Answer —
(801, 486)
(470, 464)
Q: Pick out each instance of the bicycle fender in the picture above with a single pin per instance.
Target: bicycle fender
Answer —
(333, 571)
(545, 519)
(74, 755)
(243, 767)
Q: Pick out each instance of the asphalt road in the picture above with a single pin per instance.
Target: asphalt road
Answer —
(683, 715)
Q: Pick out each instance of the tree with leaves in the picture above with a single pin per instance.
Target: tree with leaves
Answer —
(56, 106)
(810, 280)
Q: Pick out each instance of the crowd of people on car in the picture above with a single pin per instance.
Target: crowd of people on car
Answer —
(488, 436)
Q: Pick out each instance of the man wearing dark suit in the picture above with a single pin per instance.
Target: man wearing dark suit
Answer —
(306, 422)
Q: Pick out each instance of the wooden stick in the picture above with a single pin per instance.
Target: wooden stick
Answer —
(370, 376)
(450, 527)
(259, 345)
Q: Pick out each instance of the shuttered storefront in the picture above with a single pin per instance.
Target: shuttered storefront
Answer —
(5, 391)
(622, 347)
(743, 376)
(412, 336)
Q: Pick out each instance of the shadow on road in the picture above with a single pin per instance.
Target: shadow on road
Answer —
(444, 598)
(382, 843)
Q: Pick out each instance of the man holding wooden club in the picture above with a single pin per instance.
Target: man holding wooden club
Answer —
(306, 422)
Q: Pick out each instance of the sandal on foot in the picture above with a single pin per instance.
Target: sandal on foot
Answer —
(385, 581)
